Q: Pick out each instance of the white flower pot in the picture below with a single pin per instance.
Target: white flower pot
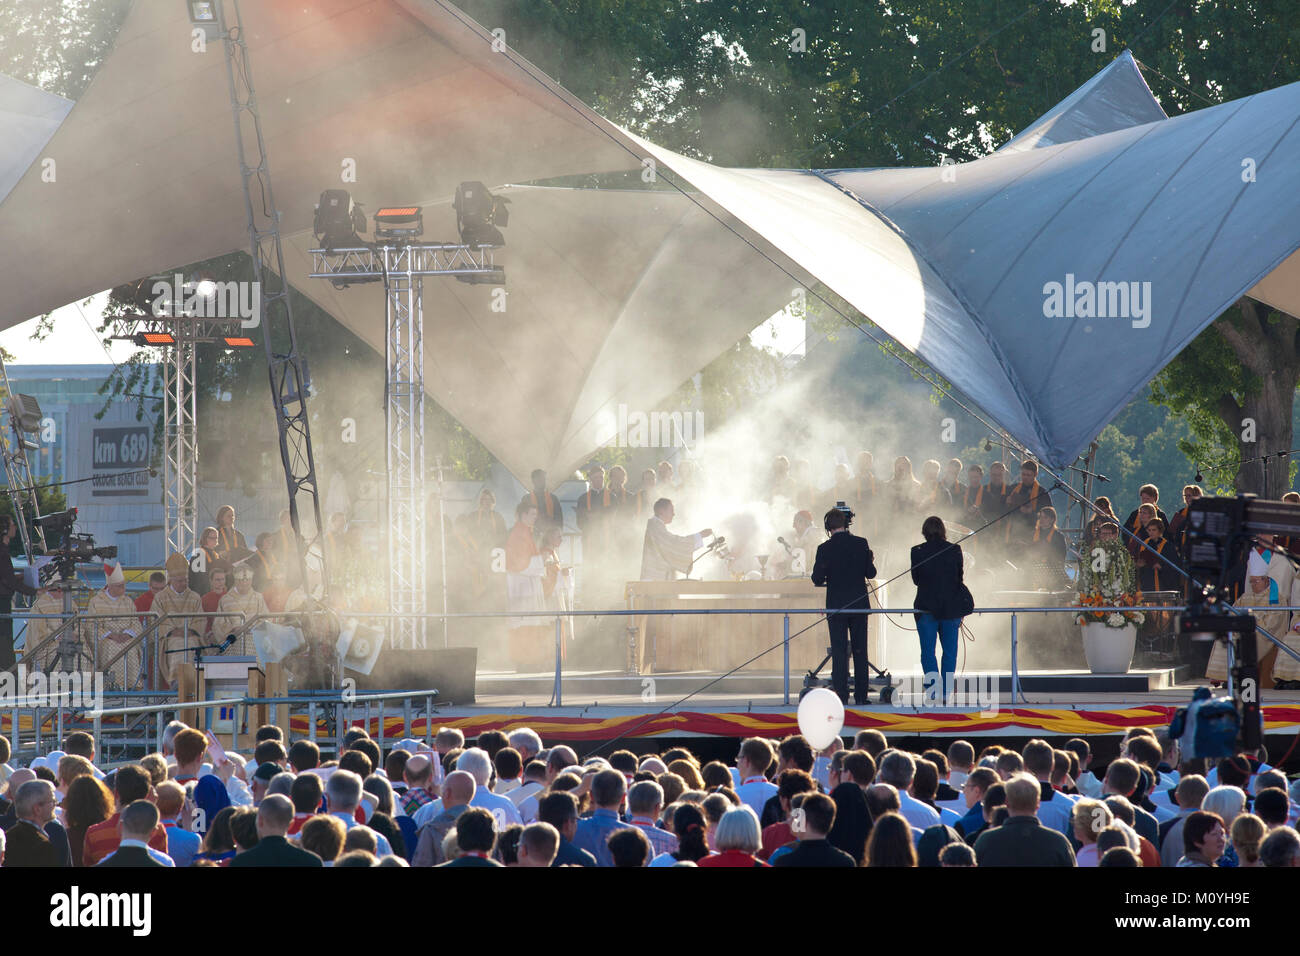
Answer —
(1109, 650)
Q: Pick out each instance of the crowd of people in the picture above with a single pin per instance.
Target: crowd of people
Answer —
(506, 800)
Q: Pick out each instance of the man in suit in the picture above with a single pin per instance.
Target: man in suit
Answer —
(843, 566)
(135, 824)
(28, 844)
(476, 834)
(274, 817)
(810, 829)
(1022, 840)
(1122, 778)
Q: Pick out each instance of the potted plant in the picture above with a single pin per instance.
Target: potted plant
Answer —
(1107, 579)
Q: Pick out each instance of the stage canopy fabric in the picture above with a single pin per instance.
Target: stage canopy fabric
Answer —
(616, 297)
(28, 118)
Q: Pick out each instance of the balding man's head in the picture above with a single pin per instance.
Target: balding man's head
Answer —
(274, 815)
(559, 758)
(418, 770)
(458, 789)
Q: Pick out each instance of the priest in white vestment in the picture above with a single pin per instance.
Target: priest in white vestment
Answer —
(665, 553)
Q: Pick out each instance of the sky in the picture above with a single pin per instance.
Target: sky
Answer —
(73, 342)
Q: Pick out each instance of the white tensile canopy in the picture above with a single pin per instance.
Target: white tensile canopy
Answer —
(616, 297)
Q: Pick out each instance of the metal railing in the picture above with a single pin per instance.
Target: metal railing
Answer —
(315, 702)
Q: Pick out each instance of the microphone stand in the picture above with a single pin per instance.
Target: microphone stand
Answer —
(708, 549)
(197, 650)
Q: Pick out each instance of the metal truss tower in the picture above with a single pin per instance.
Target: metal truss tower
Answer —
(180, 441)
(18, 473)
(403, 268)
(284, 362)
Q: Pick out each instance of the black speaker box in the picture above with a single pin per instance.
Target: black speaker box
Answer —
(452, 671)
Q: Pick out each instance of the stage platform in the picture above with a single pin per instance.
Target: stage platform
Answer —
(600, 705)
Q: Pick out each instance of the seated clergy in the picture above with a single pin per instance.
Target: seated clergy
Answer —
(114, 635)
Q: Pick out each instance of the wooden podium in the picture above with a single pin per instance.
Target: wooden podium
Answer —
(718, 642)
(223, 677)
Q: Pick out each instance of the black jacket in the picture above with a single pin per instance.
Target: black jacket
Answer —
(843, 566)
(129, 856)
(937, 574)
(275, 851)
(11, 582)
(1023, 841)
(27, 845)
(816, 853)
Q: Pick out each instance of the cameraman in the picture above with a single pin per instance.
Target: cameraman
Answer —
(11, 582)
(843, 566)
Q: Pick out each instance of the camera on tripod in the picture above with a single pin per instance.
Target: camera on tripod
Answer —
(1217, 528)
(73, 548)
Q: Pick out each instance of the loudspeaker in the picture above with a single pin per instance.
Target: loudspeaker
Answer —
(452, 671)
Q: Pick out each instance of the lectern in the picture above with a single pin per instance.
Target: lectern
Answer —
(221, 677)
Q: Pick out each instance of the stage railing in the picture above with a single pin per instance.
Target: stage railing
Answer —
(313, 701)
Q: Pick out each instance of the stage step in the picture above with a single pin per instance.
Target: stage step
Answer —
(587, 685)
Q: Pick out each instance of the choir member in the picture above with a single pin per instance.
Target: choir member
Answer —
(1027, 498)
(952, 481)
(479, 532)
(549, 512)
(1153, 573)
(1150, 495)
(644, 500)
(229, 539)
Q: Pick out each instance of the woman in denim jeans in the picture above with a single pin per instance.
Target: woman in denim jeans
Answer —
(937, 574)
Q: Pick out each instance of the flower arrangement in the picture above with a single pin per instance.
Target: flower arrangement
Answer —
(1107, 579)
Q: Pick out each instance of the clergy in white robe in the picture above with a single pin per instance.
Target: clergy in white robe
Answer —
(665, 553)
(115, 635)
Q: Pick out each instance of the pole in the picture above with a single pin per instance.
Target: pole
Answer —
(442, 535)
(787, 661)
(559, 645)
(1015, 670)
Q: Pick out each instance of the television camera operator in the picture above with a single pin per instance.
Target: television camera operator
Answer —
(843, 566)
(11, 583)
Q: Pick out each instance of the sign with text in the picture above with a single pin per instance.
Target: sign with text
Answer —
(120, 461)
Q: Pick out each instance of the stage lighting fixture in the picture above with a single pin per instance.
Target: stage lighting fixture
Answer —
(338, 220)
(399, 222)
(153, 338)
(25, 412)
(203, 14)
(237, 341)
(478, 214)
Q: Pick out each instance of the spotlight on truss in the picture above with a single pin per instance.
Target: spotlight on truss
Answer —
(338, 220)
(399, 222)
(478, 214)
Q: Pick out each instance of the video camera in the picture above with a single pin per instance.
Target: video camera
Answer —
(843, 508)
(72, 549)
(1216, 531)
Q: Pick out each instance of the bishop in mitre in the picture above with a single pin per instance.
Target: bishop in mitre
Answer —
(113, 633)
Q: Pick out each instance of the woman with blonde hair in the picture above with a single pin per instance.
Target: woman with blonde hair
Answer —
(1245, 835)
(228, 538)
(689, 773)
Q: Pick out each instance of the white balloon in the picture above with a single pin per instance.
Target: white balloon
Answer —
(821, 717)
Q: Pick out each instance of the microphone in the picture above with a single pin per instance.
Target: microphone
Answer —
(226, 644)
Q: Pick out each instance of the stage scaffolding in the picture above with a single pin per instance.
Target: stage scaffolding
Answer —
(403, 268)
